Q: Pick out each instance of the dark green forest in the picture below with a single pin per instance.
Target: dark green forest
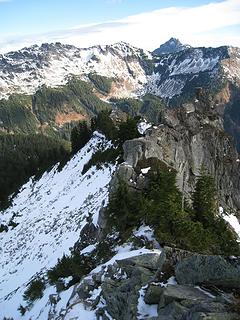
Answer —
(22, 156)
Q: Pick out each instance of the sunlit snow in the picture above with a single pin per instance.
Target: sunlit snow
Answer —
(50, 214)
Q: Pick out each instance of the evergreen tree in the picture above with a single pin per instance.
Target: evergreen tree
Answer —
(80, 135)
(204, 200)
(128, 130)
(165, 198)
(104, 124)
(125, 209)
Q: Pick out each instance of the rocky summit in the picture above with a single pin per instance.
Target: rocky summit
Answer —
(170, 46)
(119, 183)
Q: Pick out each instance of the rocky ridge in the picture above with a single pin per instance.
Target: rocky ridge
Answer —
(190, 137)
(137, 71)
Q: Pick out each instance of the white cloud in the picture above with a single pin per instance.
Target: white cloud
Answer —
(204, 25)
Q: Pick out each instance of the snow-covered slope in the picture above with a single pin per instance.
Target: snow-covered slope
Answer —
(181, 72)
(136, 72)
(51, 64)
(49, 214)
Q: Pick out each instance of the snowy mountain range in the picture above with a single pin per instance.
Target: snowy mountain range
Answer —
(168, 73)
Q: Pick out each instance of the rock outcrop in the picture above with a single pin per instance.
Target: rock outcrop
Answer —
(189, 138)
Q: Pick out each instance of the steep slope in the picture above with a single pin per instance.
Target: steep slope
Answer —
(178, 75)
(45, 220)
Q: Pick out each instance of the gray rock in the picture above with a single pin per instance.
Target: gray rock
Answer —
(88, 235)
(205, 306)
(215, 270)
(151, 261)
(178, 293)
(184, 142)
(121, 295)
(173, 311)
(153, 294)
(214, 316)
(84, 288)
(134, 150)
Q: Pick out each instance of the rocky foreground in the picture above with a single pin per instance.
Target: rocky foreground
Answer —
(170, 285)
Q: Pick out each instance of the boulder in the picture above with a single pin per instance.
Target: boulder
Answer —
(152, 261)
(178, 293)
(211, 270)
(153, 294)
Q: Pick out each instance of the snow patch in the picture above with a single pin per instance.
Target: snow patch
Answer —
(145, 170)
(144, 231)
(233, 221)
(50, 214)
(143, 126)
(145, 311)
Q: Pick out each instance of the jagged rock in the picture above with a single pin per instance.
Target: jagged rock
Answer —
(135, 149)
(174, 255)
(171, 46)
(215, 270)
(153, 294)
(84, 288)
(184, 142)
(121, 298)
(122, 295)
(178, 293)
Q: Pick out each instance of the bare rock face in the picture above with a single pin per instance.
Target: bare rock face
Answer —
(190, 138)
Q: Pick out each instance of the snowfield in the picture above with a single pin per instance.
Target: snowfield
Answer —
(49, 214)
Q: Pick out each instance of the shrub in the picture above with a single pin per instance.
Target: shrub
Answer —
(75, 265)
(105, 124)
(80, 135)
(204, 200)
(22, 310)
(3, 228)
(128, 130)
(34, 290)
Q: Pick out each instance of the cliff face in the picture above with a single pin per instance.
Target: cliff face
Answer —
(190, 138)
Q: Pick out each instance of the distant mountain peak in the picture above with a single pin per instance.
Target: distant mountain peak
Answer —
(171, 46)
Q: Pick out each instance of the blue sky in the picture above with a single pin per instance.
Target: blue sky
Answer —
(89, 22)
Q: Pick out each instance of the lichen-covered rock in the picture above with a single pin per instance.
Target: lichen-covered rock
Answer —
(214, 270)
